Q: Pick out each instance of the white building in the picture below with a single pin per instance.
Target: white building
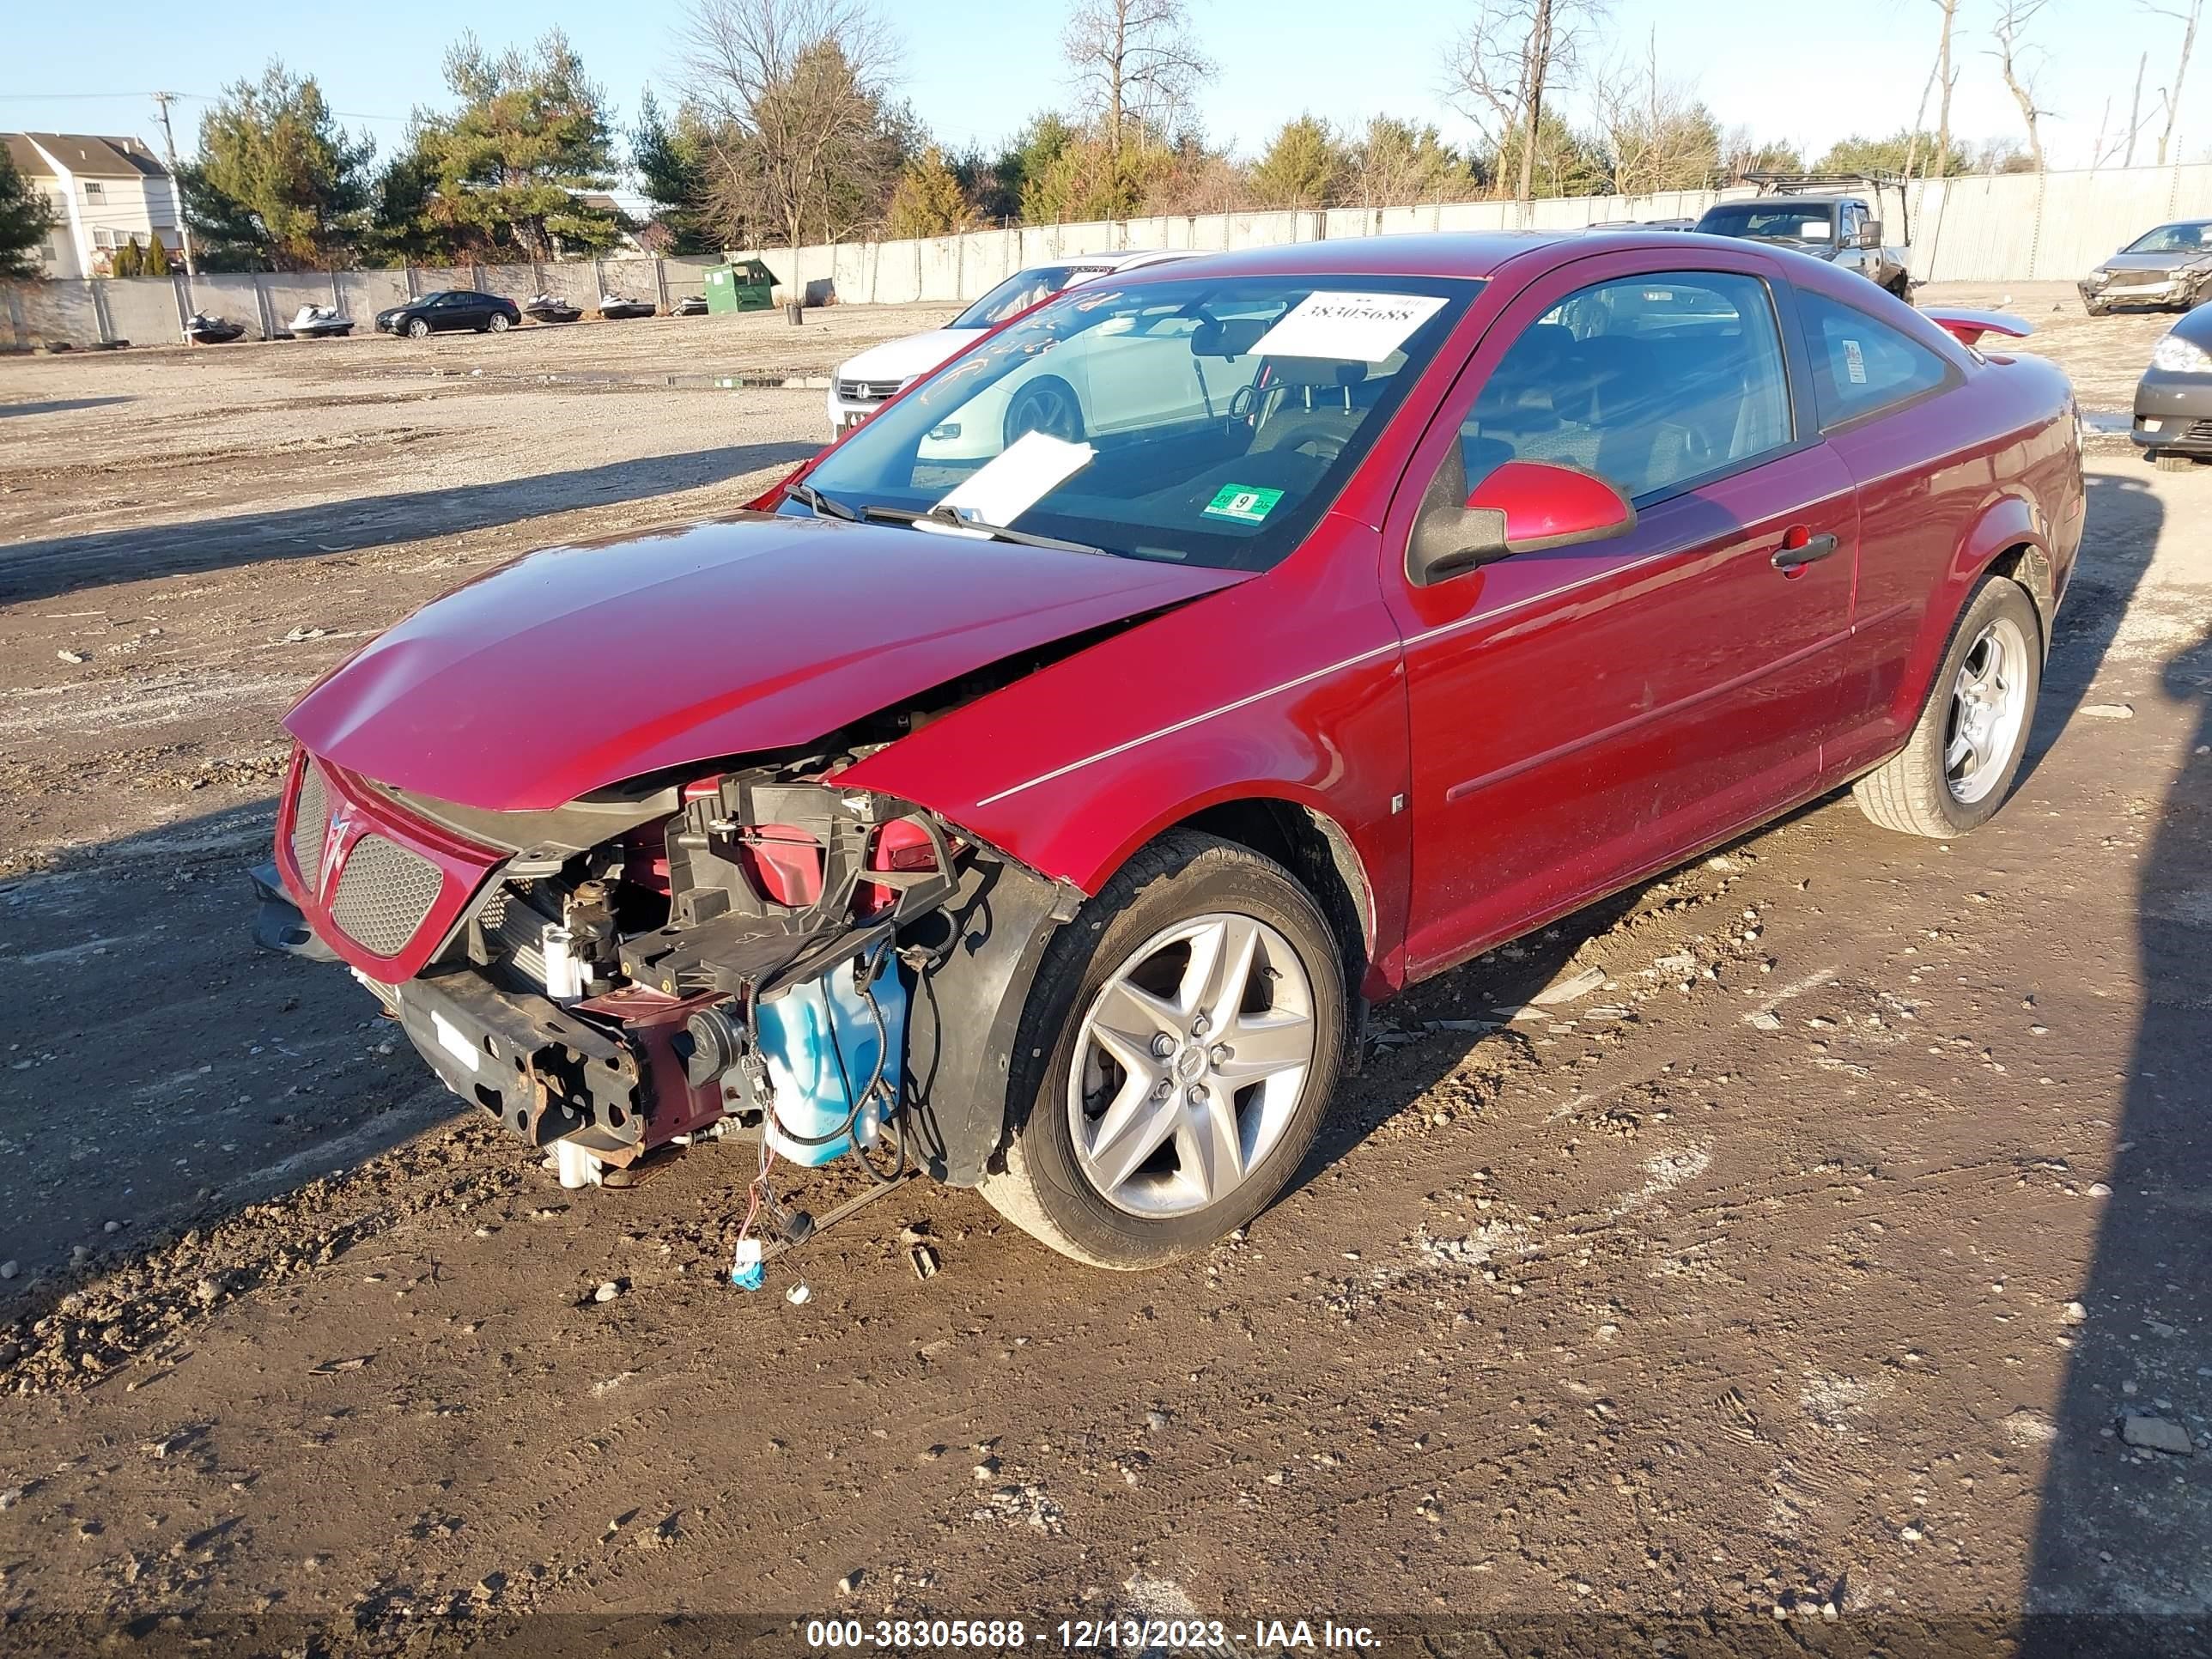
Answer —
(103, 191)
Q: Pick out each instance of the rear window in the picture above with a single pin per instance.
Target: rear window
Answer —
(1860, 365)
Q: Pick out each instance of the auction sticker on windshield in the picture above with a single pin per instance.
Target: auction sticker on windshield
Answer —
(1362, 328)
(1243, 504)
(1016, 479)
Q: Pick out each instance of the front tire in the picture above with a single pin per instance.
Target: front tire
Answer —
(1046, 405)
(418, 328)
(1967, 749)
(1180, 1044)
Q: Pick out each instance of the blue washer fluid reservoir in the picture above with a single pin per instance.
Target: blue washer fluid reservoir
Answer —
(820, 1044)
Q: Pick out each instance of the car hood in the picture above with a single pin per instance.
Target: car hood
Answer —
(2153, 261)
(578, 667)
(915, 354)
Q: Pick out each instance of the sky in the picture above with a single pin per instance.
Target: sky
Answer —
(1810, 70)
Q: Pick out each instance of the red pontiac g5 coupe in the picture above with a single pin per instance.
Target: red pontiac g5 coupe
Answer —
(1034, 789)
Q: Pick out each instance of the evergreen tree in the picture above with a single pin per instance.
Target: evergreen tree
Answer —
(671, 157)
(157, 259)
(279, 182)
(928, 200)
(25, 219)
(531, 134)
(1303, 165)
(128, 260)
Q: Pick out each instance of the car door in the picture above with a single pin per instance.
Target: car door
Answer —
(1919, 491)
(1582, 716)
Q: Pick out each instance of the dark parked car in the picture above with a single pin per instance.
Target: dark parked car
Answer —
(449, 309)
(1843, 229)
(2173, 399)
(2169, 268)
(1043, 810)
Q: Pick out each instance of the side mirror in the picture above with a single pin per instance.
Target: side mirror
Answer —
(1870, 234)
(1522, 506)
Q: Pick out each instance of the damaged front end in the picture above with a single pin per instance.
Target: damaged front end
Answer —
(753, 950)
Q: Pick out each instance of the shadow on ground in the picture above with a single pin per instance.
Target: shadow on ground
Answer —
(2124, 1531)
(61, 564)
(160, 1068)
(60, 405)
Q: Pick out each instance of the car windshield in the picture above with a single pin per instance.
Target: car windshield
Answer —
(2172, 238)
(1782, 221)
(1018, 294)
(1209, 420)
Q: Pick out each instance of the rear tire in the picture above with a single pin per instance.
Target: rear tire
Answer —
(499, 323)
(1220, 944)
(2167, 461)
(1965, 751)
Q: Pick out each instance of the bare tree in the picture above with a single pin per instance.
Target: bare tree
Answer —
(1511, 57)
(1134, 65)
(2135, 111)
(2187, 14)
(2013, 54)
(1941, 74)
(793, 89)
(1657, 135)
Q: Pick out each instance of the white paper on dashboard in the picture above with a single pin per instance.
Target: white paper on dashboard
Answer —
(1021, 474)
(1363, 328)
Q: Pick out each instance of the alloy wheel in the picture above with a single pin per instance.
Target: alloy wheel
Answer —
(1047, 408)
(1989, 705)
(1190, 1063)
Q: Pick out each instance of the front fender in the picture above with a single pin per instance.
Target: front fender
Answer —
(1286, 687)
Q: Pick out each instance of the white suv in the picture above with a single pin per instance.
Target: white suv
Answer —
(862, 383)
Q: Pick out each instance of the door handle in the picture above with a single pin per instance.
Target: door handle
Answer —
(1799, 549)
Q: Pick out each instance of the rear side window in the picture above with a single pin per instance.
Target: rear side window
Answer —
(1648, 381)
(1860, 365)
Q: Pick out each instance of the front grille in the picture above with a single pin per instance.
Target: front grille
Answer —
(310, 817)
(866, 391)
(2200, 431)
(384, 893)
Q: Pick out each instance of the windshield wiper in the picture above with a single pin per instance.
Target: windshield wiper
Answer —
(823, 506)
(946, 515)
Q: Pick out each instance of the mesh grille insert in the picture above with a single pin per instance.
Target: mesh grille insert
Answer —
(383, 894)
(310, 814)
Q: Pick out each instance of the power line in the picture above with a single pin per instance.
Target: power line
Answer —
(184, 97)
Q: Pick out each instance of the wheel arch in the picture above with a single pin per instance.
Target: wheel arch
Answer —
(1314, 848)
(2027, 564)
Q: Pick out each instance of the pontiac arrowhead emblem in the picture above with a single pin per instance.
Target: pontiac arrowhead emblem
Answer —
(334, 844)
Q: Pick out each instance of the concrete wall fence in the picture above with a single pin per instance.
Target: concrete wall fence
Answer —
(2004, 227)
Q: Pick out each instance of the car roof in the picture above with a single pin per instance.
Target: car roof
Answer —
(1443, 253)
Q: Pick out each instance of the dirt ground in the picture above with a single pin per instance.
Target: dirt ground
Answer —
(1810, 1274)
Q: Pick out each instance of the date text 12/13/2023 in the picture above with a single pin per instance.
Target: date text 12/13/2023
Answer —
(1120, 1634)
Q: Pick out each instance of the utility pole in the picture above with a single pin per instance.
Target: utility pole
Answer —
(162, 101)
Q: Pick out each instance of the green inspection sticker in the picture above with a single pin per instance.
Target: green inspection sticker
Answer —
(1243, 504)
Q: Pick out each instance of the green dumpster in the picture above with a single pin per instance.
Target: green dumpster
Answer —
(747, 285)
